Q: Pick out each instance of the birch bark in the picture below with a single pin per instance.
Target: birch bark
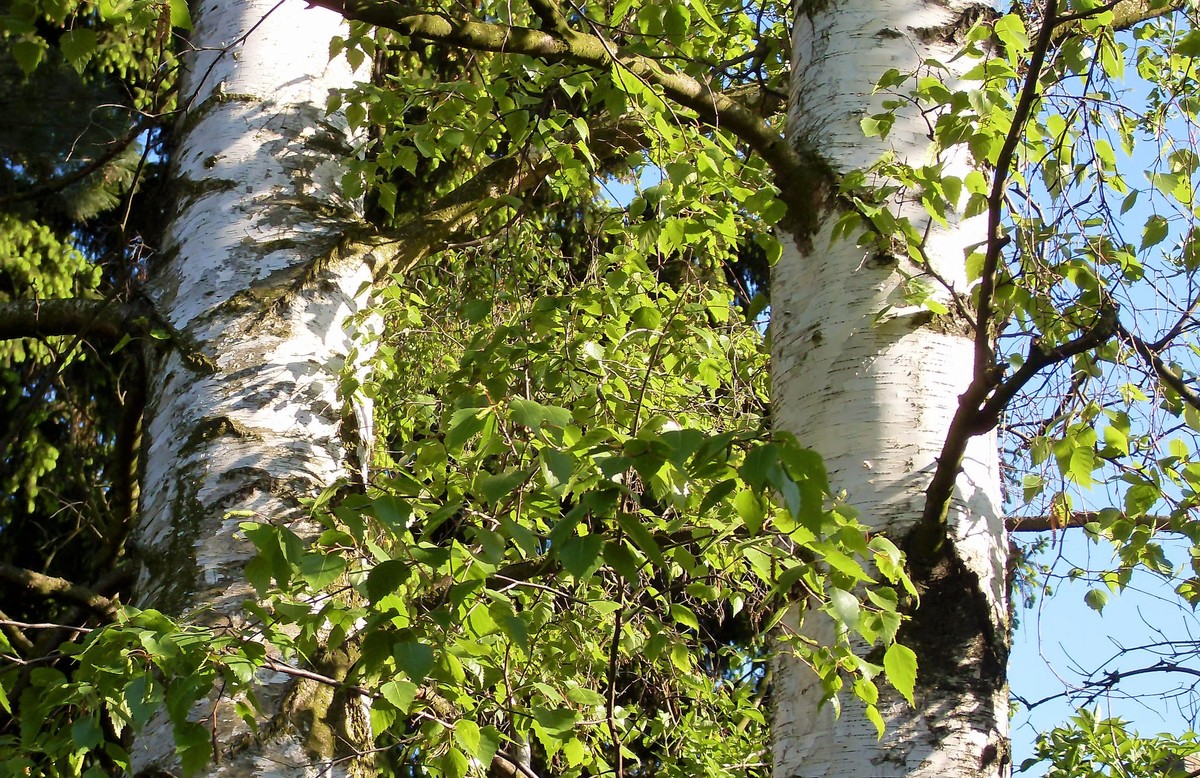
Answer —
(874, 395)
(245, 418)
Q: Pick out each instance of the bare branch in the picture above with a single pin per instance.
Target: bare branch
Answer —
(91, 319)
(1161, 369)
(41, 625)
(53, 588)
(112, 152)
(1095, 687)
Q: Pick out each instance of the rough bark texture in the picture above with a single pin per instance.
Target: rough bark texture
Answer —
(874, 395)
(245, 417)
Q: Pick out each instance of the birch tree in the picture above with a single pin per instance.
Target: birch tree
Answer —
(565, 543)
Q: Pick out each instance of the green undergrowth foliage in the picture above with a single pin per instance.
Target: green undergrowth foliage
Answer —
(578, 543)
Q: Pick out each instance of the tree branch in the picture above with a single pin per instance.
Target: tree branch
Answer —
(91, 319)
(1095, 687)
(1105, 326)
(433, 229)
(996, 240)
(1126, 14)
(1161, 369)
(979, 410)
(561, 43)
(1077, 520)
(53, 588)
(15, 636)
(552, 16)
(112, 152)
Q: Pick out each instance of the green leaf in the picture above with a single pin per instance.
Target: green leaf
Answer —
(715, 495)
(464, 424)
(454, 763)
(495, 488)
(399, 693)
(676, 21)
(28, 53)
(618, 556)
(180, 16)
(702, 11)
(875, 718)
(559, 722)
(77, 46)
(5, 705)
(900, 664)
(641, 537)
(386, 577)
(684, 615)
(86, 733)
(574, 752)
(878, 125)
(393, 512)
(557, 468)
(750, 509)
(1189, 45)
(319, 570)
(414, 658)
(1010, 30)
(758, 464)
(193, 744)
(534, 415)
(841, 562)
(489, 743)
(1154, 232)
(1096, 599)
(581, 556)
(516, 122)
(773, 211)
(585, 696)
(845, 606)
(466, 734)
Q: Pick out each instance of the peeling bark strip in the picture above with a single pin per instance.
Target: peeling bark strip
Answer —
(251, 281)
(875, 399)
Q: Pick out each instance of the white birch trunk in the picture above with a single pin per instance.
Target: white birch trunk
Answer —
(874, 396)
(245, 417)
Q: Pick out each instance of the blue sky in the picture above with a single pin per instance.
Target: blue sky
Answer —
(1060, 638)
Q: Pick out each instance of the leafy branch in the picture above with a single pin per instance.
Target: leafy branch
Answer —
(979, 410)
(563, 43)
